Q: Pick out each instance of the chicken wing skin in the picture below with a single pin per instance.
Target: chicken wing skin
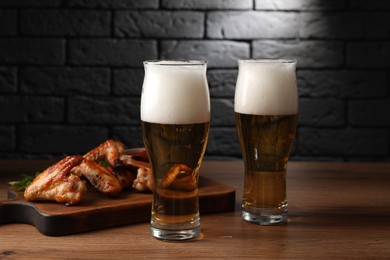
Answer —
(100, 177)
(125, 175)
(110, 150)
(138, 159)
(56, 183)
(144, 180)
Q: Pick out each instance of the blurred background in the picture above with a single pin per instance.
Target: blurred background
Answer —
(71, 70)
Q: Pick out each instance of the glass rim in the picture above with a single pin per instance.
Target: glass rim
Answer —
(175, 62)
(269, 61)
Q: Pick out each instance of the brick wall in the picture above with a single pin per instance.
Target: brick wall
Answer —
(71, 70)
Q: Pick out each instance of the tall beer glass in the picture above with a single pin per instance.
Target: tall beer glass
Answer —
(266, 115)
(175, 120)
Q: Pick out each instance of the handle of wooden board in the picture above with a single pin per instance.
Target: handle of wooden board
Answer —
(12, 211)
(6, 212)
(1, 212)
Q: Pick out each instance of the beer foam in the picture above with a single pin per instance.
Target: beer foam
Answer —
(175, 92)
(266, 87)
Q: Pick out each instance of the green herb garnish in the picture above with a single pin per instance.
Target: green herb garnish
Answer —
(24, 182)
(104, 163)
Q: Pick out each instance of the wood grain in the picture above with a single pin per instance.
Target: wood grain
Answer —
(336, 211)
(97, 211)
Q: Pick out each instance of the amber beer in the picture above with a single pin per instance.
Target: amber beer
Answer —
(266, 115)
(173, 144)
(175, 120)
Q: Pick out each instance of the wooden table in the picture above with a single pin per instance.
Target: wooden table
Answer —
(336, 211)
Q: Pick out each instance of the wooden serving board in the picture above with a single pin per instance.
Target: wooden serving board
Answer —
(97, 211)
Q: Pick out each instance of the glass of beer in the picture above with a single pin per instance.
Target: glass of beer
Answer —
(266, 116)
(175, 120)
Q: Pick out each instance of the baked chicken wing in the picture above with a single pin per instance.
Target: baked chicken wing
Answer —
(57, 183)
(100, 177)
(110, 150)
(138, 158)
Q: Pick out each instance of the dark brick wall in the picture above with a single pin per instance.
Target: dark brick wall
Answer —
(71, 70)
